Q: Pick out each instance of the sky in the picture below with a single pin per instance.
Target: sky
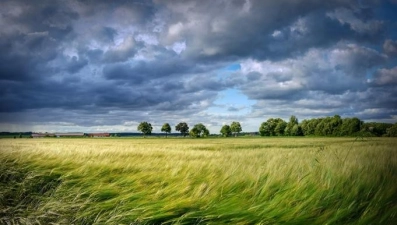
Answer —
(106, 66)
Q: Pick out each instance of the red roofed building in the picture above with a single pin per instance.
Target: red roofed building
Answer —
(99, 135)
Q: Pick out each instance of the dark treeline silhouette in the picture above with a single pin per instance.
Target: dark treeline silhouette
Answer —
(326, 126)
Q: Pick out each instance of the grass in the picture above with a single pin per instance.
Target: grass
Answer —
(198, 181)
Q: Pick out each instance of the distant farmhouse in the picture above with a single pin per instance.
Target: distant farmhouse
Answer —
(41, 135)
(71, 134)
(98, 135)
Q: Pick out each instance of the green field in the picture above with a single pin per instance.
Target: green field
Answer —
(198, 181)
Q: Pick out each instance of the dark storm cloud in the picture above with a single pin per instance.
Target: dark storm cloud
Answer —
(271, 29)
(75, 64)
(150, 58)
(149, 70)
(122, 71)
(24, 55)
(42, 94)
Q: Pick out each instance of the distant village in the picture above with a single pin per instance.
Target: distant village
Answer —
(71, 134)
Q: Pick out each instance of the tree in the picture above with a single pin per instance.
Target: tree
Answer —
(377, 129)
(309, 126)
(296, 130)
(267, 128)
(146, 128)
(235, 127)
(166, 128)
(272, 127)
(264, 129)
(199, 130)
(392, 131)
(226, 131)
(335, 125)
(350, 126)
(328, 126)
(183, 128)
(280, 127)
(292, 122)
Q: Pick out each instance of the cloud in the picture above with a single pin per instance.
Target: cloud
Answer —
(354, 59)
(390, 47)
(266, 30)
(386, 77)
(346, 16)
(76, 64)
(121, 52)
(335, 70)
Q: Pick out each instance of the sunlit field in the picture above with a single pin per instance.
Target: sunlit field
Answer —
(198, 181)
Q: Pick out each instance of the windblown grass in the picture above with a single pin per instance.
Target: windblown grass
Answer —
(198, 181)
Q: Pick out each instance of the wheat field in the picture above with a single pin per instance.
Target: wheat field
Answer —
(245, 180)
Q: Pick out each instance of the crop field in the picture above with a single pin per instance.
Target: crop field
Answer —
(198, 181)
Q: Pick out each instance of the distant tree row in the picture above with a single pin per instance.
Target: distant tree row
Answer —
(325, 126)
(198, 130)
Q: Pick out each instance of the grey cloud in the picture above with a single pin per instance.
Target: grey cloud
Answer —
(210, 31)
(124, 72)
(44, 16)
(386, 77)
(171, 85)
(94, 55)
(312, 30)
(199, 83)
(168, 65)
(39, 95)
(335, 70)
(270, 88)
(346, 16)
(76, 64)
(355, 60)
(31, 39)
(122, 52)
(390, 47)
(107, 34)
(383, 99)
(253, 76)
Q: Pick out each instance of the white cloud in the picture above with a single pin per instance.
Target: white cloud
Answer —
(178, 47)
(175, 32)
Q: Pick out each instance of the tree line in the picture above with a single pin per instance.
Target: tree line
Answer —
(324, 126)
(334, 126)
(198, 130)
